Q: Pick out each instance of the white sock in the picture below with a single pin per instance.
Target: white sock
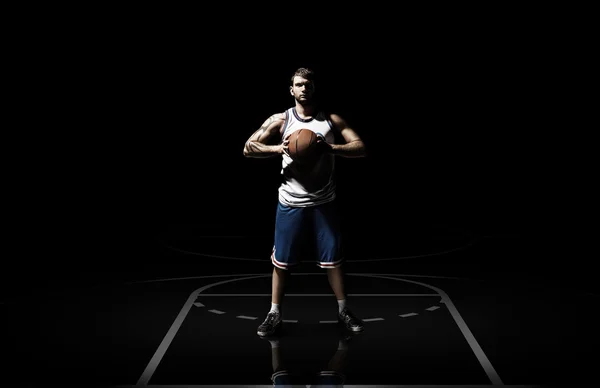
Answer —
(274, 343)
(274, 308)
(341, 304)
(342, 345)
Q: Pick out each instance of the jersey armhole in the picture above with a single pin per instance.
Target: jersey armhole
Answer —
(334, 129)
(332, 126)
(284, 125)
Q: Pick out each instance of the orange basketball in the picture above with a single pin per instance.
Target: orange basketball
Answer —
(303, 145)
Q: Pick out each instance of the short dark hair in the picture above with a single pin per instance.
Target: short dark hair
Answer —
(303, 72)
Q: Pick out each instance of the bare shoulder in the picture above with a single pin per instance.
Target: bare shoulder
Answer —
(339, 123)
(343, 128)
(270, 129)
(274, 122)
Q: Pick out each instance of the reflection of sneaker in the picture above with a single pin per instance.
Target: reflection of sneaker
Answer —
(330, 379)
(350, 321)
(274, 341)
(270, 325)
(281, 378)
(347, 336)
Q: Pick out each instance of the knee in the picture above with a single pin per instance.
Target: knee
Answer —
(279, 271)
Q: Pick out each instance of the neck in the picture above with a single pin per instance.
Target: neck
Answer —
(305, 110)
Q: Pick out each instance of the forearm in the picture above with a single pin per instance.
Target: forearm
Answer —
(255, 149)
(354, 149)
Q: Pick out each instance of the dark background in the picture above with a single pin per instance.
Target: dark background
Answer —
(129, 126)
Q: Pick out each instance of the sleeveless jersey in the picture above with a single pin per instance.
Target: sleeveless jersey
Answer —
(302, 187)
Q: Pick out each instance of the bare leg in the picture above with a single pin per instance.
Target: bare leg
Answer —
(273, 320)
(338, 361)
(276, 359)
(336, 281)
(278, 283)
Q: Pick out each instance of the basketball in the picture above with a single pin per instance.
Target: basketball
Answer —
(303, 145)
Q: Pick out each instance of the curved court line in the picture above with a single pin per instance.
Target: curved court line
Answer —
(468, 245)
(463, 232)
(292, 274)
(483, 360)
(431, 308)
(158, 355)
(373, 319)
(408, 315)
(246, 317)
(164, 345)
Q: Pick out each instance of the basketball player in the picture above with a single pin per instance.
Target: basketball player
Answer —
(306, 196)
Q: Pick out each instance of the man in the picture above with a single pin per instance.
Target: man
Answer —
(307, 194)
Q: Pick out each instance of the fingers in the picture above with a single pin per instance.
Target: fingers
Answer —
(285, 146)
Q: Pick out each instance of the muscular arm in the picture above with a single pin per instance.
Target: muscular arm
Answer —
(262, 143)
(353, 147)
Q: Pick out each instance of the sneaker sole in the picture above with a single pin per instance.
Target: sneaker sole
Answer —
(267, 334)
(352, 329)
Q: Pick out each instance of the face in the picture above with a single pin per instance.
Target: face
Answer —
(302, 89)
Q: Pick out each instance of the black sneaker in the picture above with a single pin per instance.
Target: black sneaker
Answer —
(350, 321)
(270, 325)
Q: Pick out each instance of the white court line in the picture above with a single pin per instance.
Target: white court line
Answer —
(462, 325)
(460, 248)
(286, 295)
(245, 317)
(292, 274)
(345, 386)
(408, 315)
(295, 321)
(485, 363)
(164, 345)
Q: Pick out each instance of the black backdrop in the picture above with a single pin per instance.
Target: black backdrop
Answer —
(132, 131)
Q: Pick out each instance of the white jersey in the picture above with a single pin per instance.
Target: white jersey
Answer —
(307, 188)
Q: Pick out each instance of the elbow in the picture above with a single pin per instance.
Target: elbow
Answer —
(363, 150)
(246, 151)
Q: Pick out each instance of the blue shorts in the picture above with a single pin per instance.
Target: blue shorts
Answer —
(313, 230)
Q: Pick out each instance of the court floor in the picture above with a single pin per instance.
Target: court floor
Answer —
(184, 313)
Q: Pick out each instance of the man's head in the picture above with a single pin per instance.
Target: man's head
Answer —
(303, 85)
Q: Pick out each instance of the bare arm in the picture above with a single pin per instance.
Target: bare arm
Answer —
(263, 142)
(353, 147)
